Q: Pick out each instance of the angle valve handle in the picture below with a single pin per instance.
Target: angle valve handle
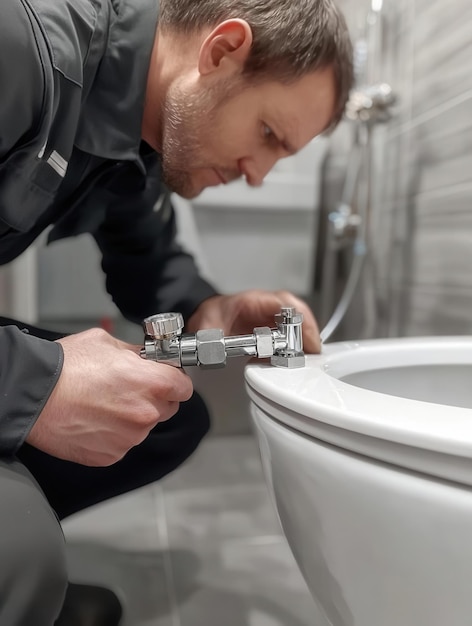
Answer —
(163, 325)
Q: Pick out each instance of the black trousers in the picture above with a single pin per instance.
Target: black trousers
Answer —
(70, 487)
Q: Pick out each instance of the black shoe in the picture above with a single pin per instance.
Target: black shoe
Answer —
(88, 605)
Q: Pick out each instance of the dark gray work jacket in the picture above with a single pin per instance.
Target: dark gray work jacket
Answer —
(72, 80)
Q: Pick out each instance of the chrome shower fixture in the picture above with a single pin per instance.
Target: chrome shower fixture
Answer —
(209, 348)
(371, 104)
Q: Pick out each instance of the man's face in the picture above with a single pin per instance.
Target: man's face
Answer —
(213, 136)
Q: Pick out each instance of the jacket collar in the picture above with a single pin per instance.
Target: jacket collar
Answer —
(111, 115)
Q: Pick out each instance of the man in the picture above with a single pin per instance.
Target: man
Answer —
(106, 106)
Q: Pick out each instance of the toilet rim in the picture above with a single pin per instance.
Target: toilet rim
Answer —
(308, 397)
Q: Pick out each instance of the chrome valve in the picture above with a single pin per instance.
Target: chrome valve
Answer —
(209, 348)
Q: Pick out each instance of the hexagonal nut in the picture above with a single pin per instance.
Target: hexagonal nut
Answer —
(211, 350)
(290, 362)
(264, 343)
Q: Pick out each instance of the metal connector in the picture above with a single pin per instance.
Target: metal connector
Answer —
(209, 348)
(289, 325)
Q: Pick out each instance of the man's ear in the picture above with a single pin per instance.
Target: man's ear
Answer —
(226, 48)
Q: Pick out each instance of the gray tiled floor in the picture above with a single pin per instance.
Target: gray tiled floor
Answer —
(201, 548)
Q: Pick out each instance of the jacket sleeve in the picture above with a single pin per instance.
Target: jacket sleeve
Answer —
(21, 78)
(29, 369)
(147, 271)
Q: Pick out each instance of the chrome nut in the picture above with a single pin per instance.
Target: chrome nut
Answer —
(211, 350)
(290, 362)
(264, 343)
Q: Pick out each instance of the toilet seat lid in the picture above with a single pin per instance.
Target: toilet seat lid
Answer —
(318, 398)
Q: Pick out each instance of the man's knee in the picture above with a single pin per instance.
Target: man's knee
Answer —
(33, 576)
(170, 443)
(195, 413)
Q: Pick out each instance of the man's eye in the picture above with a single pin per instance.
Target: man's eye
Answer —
(268, 133)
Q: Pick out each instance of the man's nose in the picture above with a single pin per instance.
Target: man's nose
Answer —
(256, 169)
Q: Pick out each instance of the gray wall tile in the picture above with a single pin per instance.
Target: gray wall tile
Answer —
(422, 213)
(443, 52)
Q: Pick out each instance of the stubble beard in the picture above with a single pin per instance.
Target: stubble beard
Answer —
(182, 150)
(187, 118)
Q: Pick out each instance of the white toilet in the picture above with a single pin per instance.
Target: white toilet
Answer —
(367, 452)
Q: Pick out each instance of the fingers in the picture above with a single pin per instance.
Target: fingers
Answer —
(168, 382)
(257, 308)
(240, 313)
(106, 400)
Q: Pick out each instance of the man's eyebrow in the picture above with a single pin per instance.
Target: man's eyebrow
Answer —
(281, 134)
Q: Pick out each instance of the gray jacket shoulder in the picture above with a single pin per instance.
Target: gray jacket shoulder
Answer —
(75, 32)
(59, 45)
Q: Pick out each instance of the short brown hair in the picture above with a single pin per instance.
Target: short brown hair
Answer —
(291, 37)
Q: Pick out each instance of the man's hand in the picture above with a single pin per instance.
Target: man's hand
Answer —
(240, 313)
(106, 400)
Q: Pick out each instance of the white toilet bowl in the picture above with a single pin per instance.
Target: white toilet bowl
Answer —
(367, 452)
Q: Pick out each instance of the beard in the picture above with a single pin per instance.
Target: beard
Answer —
(188, 118)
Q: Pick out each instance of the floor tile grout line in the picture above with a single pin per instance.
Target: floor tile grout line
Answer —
(163, 533)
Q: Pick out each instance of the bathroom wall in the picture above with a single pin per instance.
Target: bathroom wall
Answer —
(421, 231)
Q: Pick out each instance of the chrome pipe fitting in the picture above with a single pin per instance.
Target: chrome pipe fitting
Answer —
(372, 103)
(289, 326)
(209, 348)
